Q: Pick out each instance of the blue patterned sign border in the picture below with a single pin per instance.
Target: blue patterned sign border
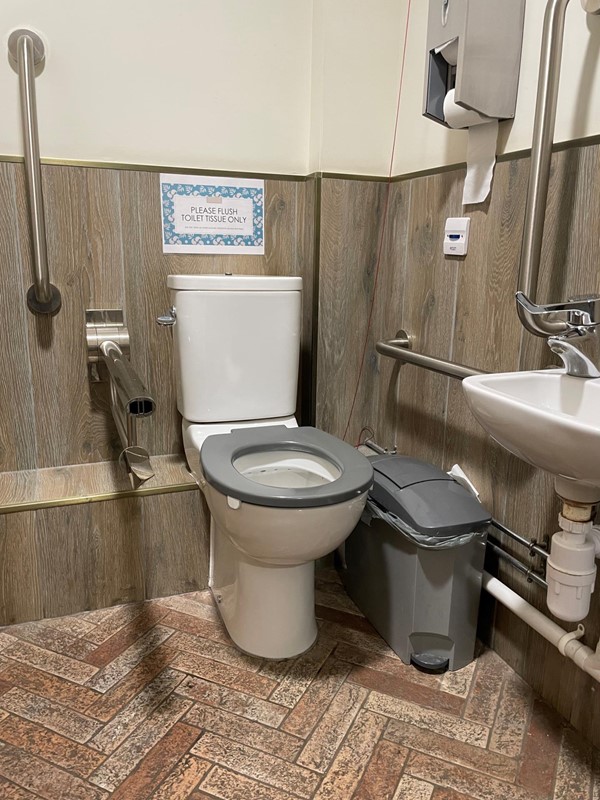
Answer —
(170, 190)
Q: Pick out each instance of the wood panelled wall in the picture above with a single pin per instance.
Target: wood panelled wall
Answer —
(462, 310)
(63, 560)
(105, 251)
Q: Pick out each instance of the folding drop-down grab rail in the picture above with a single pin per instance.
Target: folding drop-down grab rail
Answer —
(108, 342)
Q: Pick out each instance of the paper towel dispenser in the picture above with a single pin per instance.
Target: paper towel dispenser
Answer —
(474, 47)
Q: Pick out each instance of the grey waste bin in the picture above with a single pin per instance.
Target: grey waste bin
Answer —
(414, 563)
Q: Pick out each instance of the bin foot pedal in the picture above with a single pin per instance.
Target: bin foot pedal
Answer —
(427, 662)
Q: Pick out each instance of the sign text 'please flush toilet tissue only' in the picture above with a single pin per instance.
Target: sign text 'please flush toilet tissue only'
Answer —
(481, 150)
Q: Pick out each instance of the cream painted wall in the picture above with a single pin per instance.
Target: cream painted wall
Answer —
(358, 54)
(423, 144)
(219, 85)
(267, 86)
(359, 73)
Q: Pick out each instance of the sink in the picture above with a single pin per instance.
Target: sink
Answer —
(547, 418)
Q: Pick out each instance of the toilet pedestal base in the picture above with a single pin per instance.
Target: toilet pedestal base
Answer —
(268, 610)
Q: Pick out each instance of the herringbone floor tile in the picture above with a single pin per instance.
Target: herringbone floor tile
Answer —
(152, 702)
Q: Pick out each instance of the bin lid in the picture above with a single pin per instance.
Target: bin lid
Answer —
(425, 498)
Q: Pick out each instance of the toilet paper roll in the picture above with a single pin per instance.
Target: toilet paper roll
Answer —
(450, 51)
(481, 150)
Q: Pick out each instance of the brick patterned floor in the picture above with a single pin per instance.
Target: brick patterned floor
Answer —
(152, 701)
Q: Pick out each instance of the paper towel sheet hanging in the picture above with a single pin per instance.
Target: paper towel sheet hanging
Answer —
(481, 150)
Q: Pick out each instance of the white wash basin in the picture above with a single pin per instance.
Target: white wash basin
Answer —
(547, 418)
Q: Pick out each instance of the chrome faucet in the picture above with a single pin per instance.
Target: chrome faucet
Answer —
(576, 363)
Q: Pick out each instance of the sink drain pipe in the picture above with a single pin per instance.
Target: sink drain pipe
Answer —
(566, 642)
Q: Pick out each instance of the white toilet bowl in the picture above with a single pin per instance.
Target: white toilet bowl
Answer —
(280, 496)
(279, 499)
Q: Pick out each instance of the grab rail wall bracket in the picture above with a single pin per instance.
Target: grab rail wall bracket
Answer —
(108, 343)
(26, 52)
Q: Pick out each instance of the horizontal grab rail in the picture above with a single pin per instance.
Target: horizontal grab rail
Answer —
(399, 349)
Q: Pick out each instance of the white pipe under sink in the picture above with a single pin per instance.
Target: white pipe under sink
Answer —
(566, 642)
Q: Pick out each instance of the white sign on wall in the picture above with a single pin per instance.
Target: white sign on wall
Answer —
(201, 214)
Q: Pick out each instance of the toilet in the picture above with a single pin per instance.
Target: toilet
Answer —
(280, 496)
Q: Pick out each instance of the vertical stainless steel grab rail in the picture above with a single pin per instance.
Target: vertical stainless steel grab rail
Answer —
(577, 316)
(26, 50)
(541, 151)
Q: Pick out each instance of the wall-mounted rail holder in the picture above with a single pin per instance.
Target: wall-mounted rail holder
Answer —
(474, 47)
(108, 344)
(26, 54)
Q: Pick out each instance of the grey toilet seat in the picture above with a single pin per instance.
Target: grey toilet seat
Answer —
(219, 453)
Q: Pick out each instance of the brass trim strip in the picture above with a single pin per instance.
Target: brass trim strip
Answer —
(558, 147)
(346, 176)
(502, 157)
(36, 505)
(584, 141)
(62, 162)
(428, 173)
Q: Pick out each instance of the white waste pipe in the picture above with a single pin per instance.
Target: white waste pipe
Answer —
(567, 643)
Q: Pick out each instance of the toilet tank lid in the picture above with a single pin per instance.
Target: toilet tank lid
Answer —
(237, 283)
